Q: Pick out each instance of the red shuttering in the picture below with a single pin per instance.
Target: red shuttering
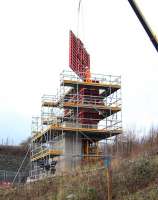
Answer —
(89, 96)
(79, 59)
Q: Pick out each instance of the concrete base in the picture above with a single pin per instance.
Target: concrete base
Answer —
(72, 149)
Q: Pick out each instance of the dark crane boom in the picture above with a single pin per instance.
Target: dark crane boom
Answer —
(144, 23)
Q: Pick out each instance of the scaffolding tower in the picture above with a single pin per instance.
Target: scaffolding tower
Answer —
(74, 122)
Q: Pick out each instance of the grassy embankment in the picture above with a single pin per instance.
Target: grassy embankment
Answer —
(132, 180)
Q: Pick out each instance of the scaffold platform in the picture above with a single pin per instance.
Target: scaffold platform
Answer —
(77, 119)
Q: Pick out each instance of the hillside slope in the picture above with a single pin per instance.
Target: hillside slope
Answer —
(11, 158)
(132, 180)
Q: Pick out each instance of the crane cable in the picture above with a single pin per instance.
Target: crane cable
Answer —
(78, 16)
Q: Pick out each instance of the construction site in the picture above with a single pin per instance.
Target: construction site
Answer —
(85, 115)
(78, 147)
(76, 124)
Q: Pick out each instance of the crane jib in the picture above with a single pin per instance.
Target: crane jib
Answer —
(144, 23)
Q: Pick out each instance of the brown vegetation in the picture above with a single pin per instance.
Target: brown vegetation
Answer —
(135, 169)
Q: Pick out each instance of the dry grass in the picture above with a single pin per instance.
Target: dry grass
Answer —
(81, 185)
(128, 178)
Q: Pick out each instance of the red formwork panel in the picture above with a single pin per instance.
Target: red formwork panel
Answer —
(79, 59)
(89, 96)
(89, 117)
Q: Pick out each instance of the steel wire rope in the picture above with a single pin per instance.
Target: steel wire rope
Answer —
(21, 164)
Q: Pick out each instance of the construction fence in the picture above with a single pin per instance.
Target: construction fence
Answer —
(8, 176)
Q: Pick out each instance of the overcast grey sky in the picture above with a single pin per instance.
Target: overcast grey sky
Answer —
(34, 50)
